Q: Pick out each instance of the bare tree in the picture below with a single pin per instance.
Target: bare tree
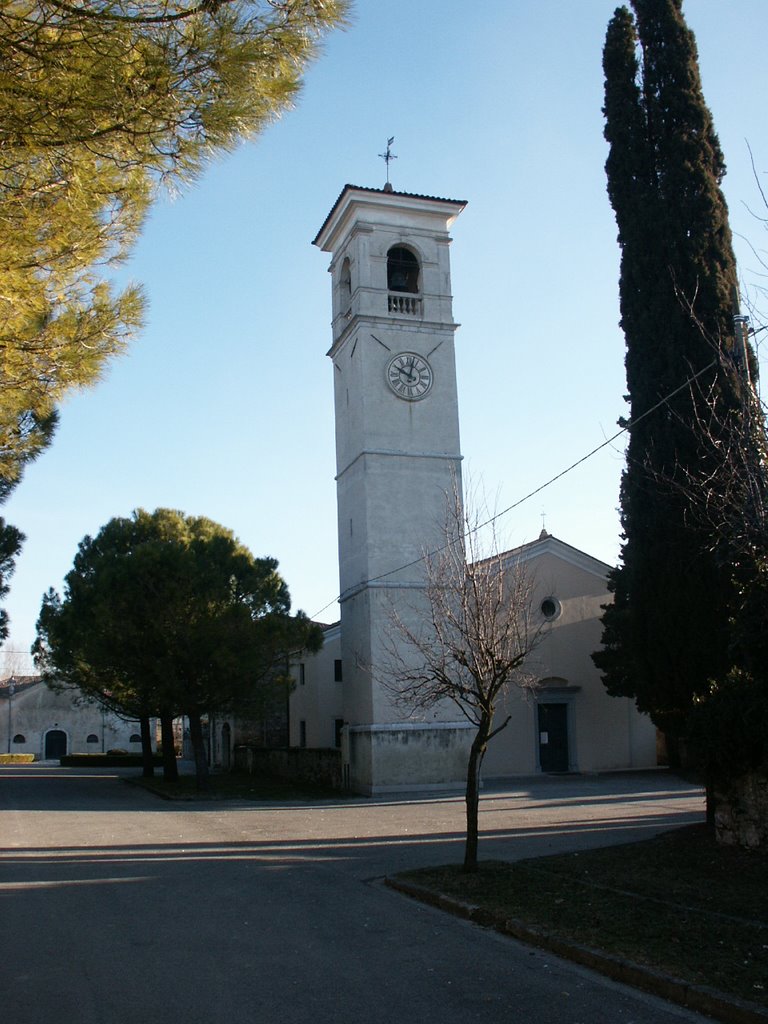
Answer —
(755, 289)
(467, 641)
(730, 495)
(14, 663)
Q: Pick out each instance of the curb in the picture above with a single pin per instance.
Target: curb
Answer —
(715, 1004)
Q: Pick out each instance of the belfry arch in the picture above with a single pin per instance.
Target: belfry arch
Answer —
(403, 270)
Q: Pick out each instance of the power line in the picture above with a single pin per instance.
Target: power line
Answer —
(537, 490)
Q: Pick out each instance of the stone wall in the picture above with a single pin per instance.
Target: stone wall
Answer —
(405, 757)
(320, 767)
(741, 812)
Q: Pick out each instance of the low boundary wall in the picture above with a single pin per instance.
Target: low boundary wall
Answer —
(741, 811)
(319, 766)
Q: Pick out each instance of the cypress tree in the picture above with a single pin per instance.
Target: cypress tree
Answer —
(666, 636)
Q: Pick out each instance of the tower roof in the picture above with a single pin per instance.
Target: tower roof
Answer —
(384, 198)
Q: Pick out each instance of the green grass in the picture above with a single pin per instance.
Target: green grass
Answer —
(678, 904)
(236, 787)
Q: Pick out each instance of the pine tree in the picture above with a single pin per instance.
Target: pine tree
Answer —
(100, 104)
(666, 636)
(166, 614)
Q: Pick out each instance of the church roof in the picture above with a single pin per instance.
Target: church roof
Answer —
(19, 683)
(461, 203)
(546, 542)
(325, 626)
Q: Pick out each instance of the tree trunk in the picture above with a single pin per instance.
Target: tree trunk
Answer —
(170, 767)
(198, 747)
(147, 757)
(709, 791)
(472, 799)
(472, 796)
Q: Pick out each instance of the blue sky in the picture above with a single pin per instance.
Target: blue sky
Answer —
(224, 407)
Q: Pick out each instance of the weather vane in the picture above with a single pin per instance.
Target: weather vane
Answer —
(387, 158)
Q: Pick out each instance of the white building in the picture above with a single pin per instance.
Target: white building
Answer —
(36, 720)
(398, 457)
(316, 716)
(565, 722)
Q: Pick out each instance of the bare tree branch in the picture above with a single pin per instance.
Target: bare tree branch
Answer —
(466, 639)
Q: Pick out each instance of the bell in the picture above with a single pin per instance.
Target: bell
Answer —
(398, 279)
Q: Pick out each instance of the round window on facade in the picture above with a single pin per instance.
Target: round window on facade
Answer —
(550, 608)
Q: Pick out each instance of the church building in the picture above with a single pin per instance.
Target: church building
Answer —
(398, 457)
(49, 724)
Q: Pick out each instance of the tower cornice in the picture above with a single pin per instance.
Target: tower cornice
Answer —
(404, 326)
(353, 198)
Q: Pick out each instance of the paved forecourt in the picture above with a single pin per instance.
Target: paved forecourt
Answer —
(118, 906)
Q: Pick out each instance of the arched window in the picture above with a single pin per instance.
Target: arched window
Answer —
(345, 282)
(19, 738)
(402, 270)
(135, 738)
(553, 683)
(93, 738)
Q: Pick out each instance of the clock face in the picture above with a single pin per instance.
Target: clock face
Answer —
(409, 376)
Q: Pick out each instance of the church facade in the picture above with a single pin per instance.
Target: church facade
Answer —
(34, 719)
(398, 459)
(564, 721)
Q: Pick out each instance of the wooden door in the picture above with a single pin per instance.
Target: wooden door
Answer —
(553, 737)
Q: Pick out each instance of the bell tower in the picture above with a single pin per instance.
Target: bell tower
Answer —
(398, 461)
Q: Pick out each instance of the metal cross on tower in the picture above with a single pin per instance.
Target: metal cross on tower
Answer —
(387, 158)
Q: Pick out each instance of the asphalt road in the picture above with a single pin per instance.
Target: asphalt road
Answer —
(118, 907)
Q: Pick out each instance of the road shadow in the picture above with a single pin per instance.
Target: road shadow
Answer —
(52, 788)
